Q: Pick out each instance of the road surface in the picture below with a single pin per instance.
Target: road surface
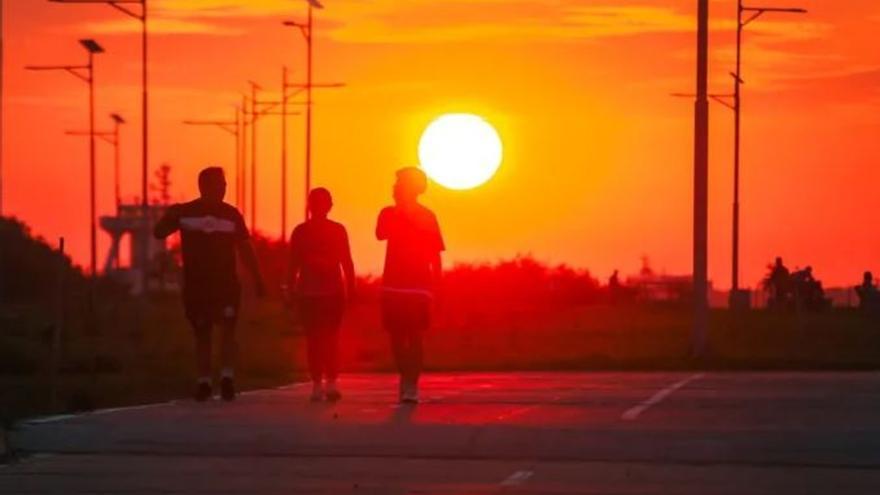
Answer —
(479, 433)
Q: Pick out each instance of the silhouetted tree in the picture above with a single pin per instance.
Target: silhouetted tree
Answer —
(161, 185)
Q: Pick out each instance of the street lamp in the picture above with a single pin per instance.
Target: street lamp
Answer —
(745, 16)
(93, 48)
(112, 138)
(701, 186)
(264, 108)
(254, 116)
(308, 33)
(122, 6)
(1, 105)
(261, 108)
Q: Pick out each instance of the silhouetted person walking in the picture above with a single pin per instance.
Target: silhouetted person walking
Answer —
(211, 232)
(868, 294)
(779, 284)
(319, 256)
(412, 275)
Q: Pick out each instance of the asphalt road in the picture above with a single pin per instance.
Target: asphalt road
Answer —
(476, 433)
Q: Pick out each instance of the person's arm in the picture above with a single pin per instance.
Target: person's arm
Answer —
(437, 271)
(348, 267)
(437, 259)
(249, 259)
(168, 224)
(294, 265)
(383, 229)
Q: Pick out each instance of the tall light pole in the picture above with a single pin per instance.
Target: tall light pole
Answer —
(265, 108)
(254, 116)
(93, 48)
(308, 33)
(118, 121)
(142, 16)
(243, 154)
(283, 154)
(701, 185)
(2, 66)
(744, 17)
(113, 138)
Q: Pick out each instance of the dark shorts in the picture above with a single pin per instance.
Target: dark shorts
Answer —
(207, 309)
(321, 312)
(405, 312)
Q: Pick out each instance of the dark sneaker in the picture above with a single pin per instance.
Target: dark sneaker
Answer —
(333, 394)
(203, 392)
(227, 389)
(317, 394)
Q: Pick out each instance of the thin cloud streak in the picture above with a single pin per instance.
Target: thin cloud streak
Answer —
(424, 21)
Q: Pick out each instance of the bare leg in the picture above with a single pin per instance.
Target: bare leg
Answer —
(229, 348)
(331, 354)
(313, 348)
(203, 350)
(416, 353)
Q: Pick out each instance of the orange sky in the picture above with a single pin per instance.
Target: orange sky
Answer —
(598, 162)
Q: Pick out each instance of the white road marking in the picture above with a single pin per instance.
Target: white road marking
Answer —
(517, 478)
(64, 417)
(49, 419)
(633, 413)
(131, 408)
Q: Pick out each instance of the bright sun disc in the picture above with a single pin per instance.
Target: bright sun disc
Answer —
(460, 151)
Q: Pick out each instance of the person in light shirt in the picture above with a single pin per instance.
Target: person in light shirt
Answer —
(411, 276)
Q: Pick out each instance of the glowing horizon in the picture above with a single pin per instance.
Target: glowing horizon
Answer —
(597, 155)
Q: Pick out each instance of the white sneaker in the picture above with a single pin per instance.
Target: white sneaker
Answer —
(317, 392)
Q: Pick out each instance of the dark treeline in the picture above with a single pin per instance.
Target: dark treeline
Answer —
(520, 281)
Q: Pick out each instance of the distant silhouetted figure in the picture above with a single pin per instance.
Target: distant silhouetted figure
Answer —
(211, 232)
(614, 287)
(808, 292)
(779, 284)
(869, 296)
(412, 274)
(319, 256)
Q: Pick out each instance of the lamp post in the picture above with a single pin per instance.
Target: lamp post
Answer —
(264, 108)
(142, 16)
(2, 66)
(308, 33)
(255, 88)
(744, 17)
(93, 48)
(243, 154)
(118, 121)
(701, 185)
(112, 138)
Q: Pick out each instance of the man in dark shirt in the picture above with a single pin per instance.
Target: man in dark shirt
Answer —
(211, 232)
(319, 256)
(412, 274)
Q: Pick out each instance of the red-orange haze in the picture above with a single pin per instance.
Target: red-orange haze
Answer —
(598, 156)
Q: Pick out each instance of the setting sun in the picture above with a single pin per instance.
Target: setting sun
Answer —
(460, 151)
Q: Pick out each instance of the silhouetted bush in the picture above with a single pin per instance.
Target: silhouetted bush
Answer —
(29, 266)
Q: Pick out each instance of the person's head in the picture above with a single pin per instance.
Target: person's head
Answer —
(868, 277)
(212, 184)
(320, 202)
(778, 261)
(410, 184)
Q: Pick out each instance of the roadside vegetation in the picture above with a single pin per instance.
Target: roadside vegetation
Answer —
(517, 314)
